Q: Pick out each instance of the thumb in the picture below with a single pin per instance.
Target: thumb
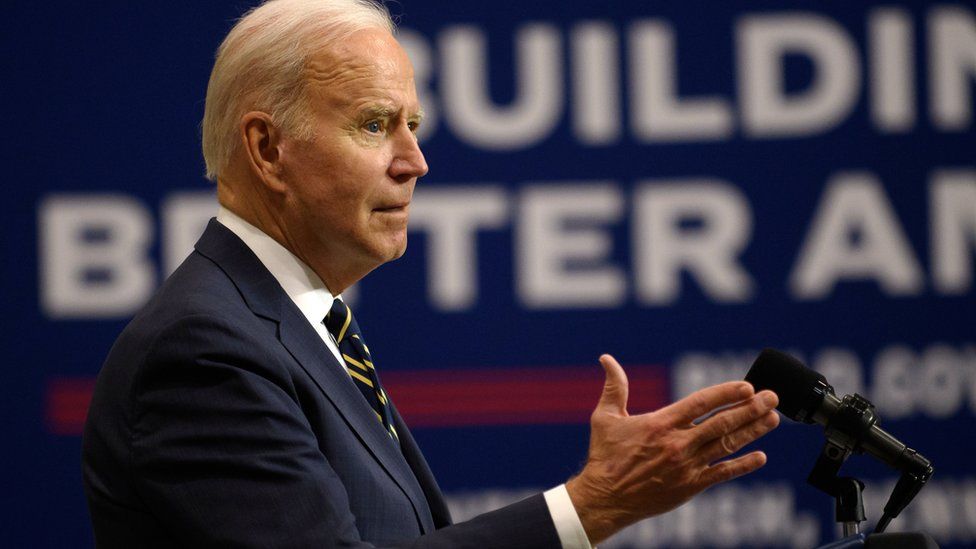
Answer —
(615, 390)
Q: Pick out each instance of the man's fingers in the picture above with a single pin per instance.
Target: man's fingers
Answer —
(732, 468)
(615, 388)
(728, 421)
(733, 442)
(701, 402)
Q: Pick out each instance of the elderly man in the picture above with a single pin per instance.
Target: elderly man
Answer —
(241, 407)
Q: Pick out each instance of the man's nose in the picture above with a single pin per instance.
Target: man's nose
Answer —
(409, 161)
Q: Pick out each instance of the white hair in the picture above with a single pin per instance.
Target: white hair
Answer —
(260, 66)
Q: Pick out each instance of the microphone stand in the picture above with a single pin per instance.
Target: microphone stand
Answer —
(852, 421)
(846, 491)
(845, 432)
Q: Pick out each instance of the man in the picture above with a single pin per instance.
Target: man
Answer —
(241, 407)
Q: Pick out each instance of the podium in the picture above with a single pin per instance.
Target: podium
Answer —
(890, 540)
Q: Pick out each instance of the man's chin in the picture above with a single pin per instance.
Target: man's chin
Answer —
(398, 252)
(393, 249)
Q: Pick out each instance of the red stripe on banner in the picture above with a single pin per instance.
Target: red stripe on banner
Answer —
(524, 396)
(66, 404)
(449, 398)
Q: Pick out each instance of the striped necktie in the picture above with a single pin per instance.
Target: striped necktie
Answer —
(358, 363)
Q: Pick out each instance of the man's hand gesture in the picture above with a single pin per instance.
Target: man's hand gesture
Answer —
(644, 465)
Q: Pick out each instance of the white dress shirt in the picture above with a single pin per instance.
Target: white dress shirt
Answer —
(314, 300)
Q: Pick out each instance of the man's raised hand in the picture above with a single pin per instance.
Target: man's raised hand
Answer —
(644, 465)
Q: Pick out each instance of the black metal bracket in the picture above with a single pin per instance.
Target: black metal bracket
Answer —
(850, 424)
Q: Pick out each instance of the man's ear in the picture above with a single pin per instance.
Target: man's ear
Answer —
(262, 145)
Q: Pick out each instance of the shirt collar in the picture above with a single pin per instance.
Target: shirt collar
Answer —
(297, 279)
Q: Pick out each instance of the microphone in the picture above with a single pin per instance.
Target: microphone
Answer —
(850, 422)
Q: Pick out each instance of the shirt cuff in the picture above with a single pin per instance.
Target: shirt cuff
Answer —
(568, 526)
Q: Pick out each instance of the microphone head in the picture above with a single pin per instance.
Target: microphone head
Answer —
(800, 389)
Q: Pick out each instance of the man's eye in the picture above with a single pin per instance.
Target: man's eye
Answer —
(374, 126)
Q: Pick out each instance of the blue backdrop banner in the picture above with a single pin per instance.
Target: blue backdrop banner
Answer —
(677, 183)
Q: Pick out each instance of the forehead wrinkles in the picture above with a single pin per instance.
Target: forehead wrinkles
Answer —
(349, 72)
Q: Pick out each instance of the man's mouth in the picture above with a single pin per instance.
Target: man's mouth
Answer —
(393, 208)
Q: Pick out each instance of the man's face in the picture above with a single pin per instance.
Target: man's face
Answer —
(351, 186)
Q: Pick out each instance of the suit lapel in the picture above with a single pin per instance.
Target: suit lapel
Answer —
(418, 464)
(304, 344)
(265, 297)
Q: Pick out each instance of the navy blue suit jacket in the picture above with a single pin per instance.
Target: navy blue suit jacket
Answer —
(221, 419)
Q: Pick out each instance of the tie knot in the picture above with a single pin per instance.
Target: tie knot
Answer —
(339, 321)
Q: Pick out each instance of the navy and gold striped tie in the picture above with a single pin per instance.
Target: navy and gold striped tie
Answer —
(355, 355)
